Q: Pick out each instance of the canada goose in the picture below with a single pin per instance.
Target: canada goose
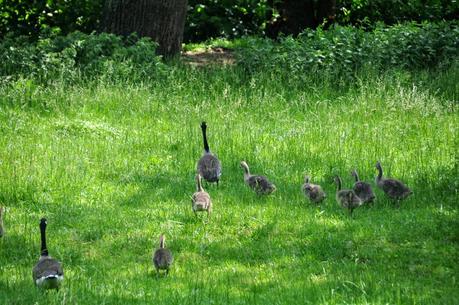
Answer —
(209, 167)
(162, 258)
(260, 184)
(313, 191)
(346, 198)
(201, 199)
(393, 188)
(363, 189)
(2, 228)
(47, 273)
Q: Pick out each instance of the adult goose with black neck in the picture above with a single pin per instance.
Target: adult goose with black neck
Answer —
(47, 273)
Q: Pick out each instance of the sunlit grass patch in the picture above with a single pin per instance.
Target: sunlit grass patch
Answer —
(112, 167)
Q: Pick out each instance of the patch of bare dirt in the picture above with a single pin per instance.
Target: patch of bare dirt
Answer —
(210, 56)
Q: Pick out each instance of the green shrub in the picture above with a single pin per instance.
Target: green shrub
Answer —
(79, 55)
(342, 51)
(369, 12)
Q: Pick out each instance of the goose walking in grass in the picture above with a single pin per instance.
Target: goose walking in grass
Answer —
(162, 258)
(209, 167)
(346, 198)
(313, 192)
(200, 201)
(393, 188)
(47, 273)
(2, 228)
(260, 184)
(363, 189)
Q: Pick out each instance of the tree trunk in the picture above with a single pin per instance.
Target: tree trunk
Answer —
(162, 20)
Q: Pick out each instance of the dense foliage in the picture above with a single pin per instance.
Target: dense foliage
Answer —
(337, 52)
(345, 50)
(368, 12)
(212, 18)
(79, 55)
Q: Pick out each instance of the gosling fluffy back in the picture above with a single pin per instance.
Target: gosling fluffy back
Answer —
(162, 258)
(346, 198)
(393, 188)
(363, 189)
(260, 184)
(313, 192)
(200, 201)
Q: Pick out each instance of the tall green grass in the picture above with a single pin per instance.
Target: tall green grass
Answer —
(111, 165)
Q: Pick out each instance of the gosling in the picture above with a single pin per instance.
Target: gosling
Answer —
(393, 188)
(200, 201)
(363, 189)
(162, 258)
(260, 184)
(346, 198)
(313, 192)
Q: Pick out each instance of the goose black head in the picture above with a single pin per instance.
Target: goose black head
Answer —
(43, 223)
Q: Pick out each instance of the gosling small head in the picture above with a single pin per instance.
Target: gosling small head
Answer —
(244, 166)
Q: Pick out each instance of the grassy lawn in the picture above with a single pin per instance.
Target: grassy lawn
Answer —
(112, 166)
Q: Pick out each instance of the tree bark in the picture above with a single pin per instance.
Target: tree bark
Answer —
(162, 20)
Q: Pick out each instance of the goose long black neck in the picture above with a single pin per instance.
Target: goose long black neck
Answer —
(44, 249)
(204, 136)
(380, 173)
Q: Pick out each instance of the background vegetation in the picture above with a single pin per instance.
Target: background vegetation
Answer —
(101, 136)
(212, 18)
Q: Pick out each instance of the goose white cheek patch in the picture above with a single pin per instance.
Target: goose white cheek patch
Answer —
(44, 279)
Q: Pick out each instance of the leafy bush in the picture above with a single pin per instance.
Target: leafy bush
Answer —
(79, 55)
(228, 18)
(341, 51)
(368, 13)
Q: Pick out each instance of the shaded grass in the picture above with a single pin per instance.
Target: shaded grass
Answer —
(111, 166)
